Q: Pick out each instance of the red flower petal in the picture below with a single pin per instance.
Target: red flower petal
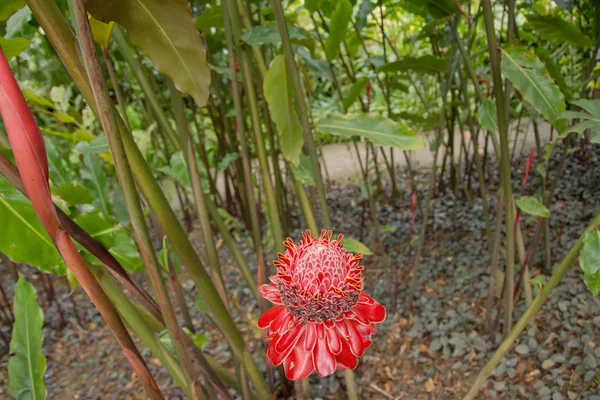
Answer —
(272, 354)
(333, 341)
(356, 345)
(268, 316)
(280, 323)
(346, 360)
(289, 338)
(269, 292)
(310, 337)
(299, 364)
(323, 359)
(373, 312)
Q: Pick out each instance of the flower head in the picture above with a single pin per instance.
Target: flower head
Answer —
(321, 319)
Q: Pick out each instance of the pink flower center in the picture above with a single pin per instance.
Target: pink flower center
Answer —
(319, 280)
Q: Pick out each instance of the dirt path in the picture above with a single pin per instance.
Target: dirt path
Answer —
(341, 162)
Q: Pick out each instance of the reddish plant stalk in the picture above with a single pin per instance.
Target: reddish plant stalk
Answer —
(30, 153)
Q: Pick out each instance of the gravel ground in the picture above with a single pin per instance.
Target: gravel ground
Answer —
(433, 350)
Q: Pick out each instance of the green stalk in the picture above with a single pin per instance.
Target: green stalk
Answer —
(302, 110)
(504, 158)
(160, 205)
(108, 119)
(306, 208)
(529, 314)
(138, 325)
(250, 89)
(116, 86)
(185, 140)
(247, 172)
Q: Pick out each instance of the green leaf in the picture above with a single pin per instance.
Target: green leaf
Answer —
(269, 34)
(17, 22)
(544, 54)
(13, 47)
(355, 90)
(589, 260)
(355, 246)
(73, 193)
(303, 172)
(27, 363)
(199, 339)
(278, 93)
(227, 160)
(531, 205)
(379, 130)
(23, 237)
(210, 18)
(590, 117)
(114, 237)
(552, 27)
(436, 8)
(164, 30)
(426, 64)
(9, 7)
(58, 171)
(93, 173)
(201, 305)
(101, 31)
(167, 254)
(312, 5)
(337, 28)
(320, 67)
(488, 117)
(366, 6)
(527, 73)
(566, 4)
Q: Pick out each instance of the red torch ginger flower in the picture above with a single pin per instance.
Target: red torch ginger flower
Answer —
(321, 319)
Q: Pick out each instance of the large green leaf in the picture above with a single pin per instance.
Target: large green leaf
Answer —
(278, 93)
(590, 118)
(114, 237)
(22, 236)
(337, 28)
(356, 246)
(27, 364)
(488, 117)
(355, 90)
(552, 27)
(13, 47)
(527, 73)
(379, 130)
(9, 7)
(589, 260)
(426, 64)
(164, 30)
(269, 34)
(531, 205)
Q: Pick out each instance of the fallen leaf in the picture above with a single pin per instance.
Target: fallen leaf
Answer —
(430, 385)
